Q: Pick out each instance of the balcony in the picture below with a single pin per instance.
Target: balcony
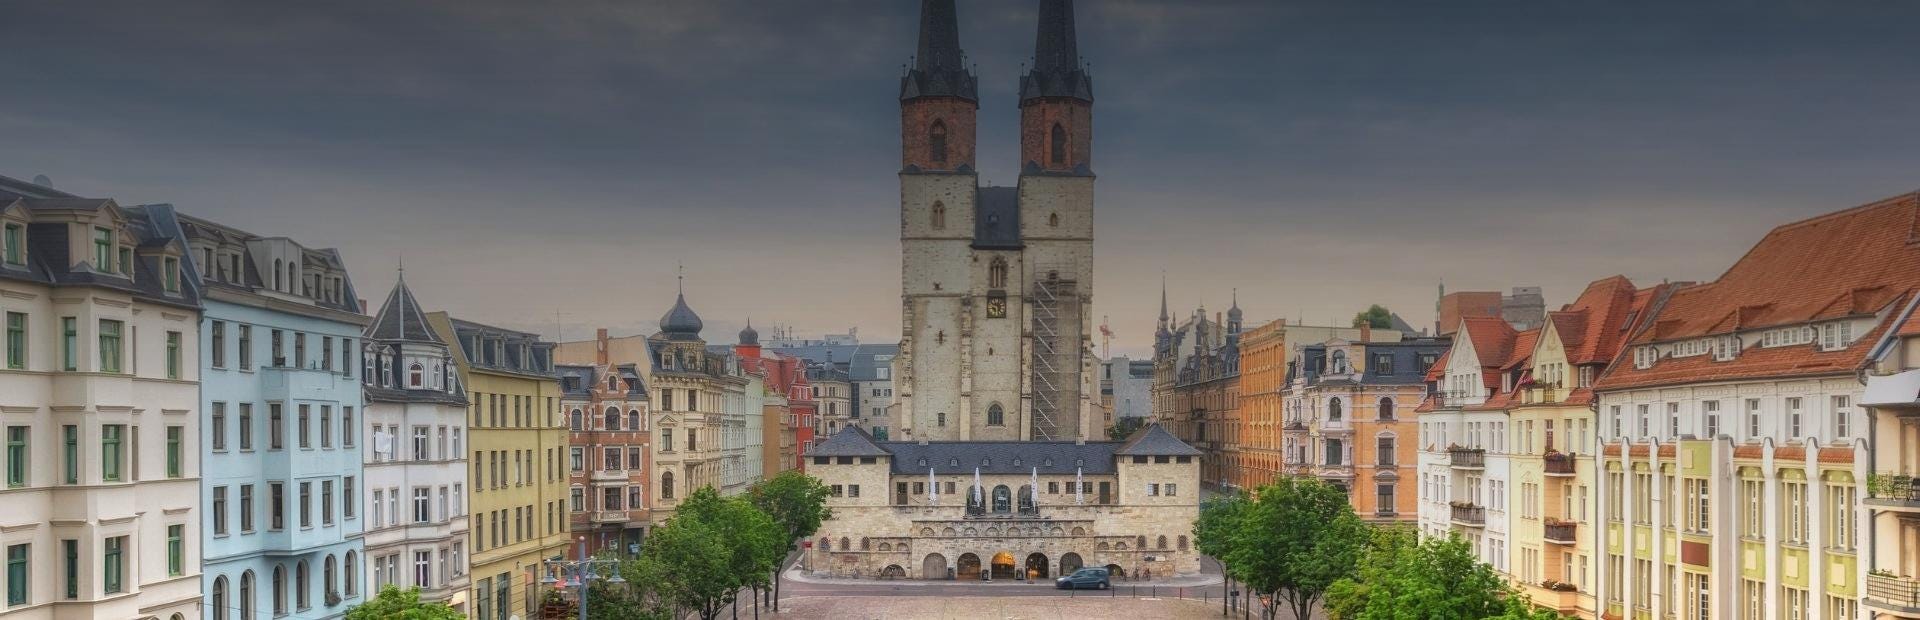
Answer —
(1469, 515)
(1467, 458)
(1560, 532)
(610, 516)
(1893, 594)
(1559, 465)
(1901, 389)
(1897, 492)
(609, 475)
(1294, 425)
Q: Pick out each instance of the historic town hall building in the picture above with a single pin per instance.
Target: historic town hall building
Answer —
(997, 292)
(996, 477)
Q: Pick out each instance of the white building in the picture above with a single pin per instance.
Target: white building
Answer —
(99, 397)
(1463, 438)
(415, 456)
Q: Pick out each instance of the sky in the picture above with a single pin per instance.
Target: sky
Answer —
(547, 166)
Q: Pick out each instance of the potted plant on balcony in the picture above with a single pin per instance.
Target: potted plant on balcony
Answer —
(1460, 503)
(1559, 586)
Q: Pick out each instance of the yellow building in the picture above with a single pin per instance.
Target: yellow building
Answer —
(518, 442)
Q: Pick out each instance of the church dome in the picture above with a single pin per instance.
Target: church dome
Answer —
(748, 336)
(681, 322)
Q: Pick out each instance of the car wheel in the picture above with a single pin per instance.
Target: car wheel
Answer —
(1103, 585)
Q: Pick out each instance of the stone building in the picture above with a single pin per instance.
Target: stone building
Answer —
(997, 292)
(102, 310)
(1197, 377)
(1006, 510)
(414, 449)
(610, 431)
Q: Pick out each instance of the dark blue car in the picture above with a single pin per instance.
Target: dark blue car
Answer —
(1095, 578)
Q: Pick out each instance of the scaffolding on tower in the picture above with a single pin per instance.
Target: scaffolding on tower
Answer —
(1056, 355)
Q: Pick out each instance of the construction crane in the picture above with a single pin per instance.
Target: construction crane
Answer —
(1106, 336)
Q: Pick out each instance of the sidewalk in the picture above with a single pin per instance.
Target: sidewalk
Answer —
(795, 574)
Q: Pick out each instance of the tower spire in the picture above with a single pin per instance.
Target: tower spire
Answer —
(1057, 71)
(939, 67)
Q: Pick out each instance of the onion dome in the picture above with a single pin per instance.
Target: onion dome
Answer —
(681, 323)
(748, 336)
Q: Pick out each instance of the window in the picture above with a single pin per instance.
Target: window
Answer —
(1712, 410)
(176, 550)
(1333, 409)
(176, 454)
(348, 430)
(103, 249)
(937, 143)
(109, 345)
(17, 456)
(1383, 499)
(1842, 417)
(1840, 526)
(110, 455)
(1697, 509)
(302, 428)
(666, 485)
(421, 449)
(1386, 409)
(306, 504)
(1753, 504)
(276, 505)
(1384, 453)
(1382, 364)
(69, 344)
(939, 218)
(70, 551)
(17, 574)
(1335, 452)
(422, 511)
(996, 416)
(220, 599)
(113, 565)
(246, 347)
(1794, 410)
(326, 502)
(276, 426)
(170, 274)
(1793, 512)
(220, 511)
(300, 585)
(1753, 418)
(997, 273)
(1793, 603)
(1059, 144)
(1673, 420)
(16, 242)
(16, 340)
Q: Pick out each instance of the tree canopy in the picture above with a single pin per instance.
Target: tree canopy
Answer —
(392, 603)
(1375, 316)
(1293, 542)
(1402, 576)
(712, 548)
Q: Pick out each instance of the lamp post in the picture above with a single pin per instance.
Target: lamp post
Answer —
(578, 573)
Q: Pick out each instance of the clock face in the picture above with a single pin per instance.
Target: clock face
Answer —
(996, 307)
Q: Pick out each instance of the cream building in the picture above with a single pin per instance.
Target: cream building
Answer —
(99, 398)
(913, 510)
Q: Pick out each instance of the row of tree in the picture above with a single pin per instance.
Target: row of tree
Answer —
(702, 560)
(1297, 545)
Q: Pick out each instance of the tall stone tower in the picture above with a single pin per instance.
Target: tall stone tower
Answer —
(996, 282)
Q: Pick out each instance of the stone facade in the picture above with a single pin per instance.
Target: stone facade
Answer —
(1134, 513)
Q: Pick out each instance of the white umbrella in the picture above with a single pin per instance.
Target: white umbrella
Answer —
(977, 500)
(933, 489)
(1078, 497)
(1033, 492)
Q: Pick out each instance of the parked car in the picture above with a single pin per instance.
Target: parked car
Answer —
(1095, 578)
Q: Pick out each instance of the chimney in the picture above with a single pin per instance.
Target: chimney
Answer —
(1366, 332)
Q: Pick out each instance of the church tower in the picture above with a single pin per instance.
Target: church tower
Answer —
(996, 282)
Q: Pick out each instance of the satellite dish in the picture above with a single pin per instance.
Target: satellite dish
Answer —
(42, 180)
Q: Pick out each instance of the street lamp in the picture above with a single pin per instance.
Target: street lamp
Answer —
(579, 573)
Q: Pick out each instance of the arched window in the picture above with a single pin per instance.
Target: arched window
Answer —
(845, 545)
(300, 588)
(328, 576)
(613, 418)
(352, 581)
(1059, 141)
(1183, 542)
(633, 419)
(574, 420)
(1339, 364)
(996, 416)
(866, 544)
(246, 595)
(941, 419)
(416, 376)
(1386, 409)
(997, 273)
(1140, 542)
(278, 265)
(937, 143)
(666, 485)
(1333, 410)
(1027, 499)
(1002, 499)
(279, 589)
(613, 384)
(1053, 220)
(1162, 541)
(219, 598)
(939, 215)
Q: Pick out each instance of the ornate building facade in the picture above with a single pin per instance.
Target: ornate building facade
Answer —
(610, 434)
(997, 282)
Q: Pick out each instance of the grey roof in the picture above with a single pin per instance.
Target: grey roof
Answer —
(680, 323)
(865, 367)
(47, 246)
(996, 219)
(1056, 57)
(939, 69)
(851, 441)
(1154, 440)
(250, 280)
(748, 335)
(401, 319)
(376, 393)
(1002, 457)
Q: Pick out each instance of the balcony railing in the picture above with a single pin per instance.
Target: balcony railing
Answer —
(1294, 425)
(1469, 514)
(1560, 532)
(1893, 593)
(1467, 458)
(1893, 491)
(1559, 464)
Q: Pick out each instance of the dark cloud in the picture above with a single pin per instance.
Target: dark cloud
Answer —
(550, 163)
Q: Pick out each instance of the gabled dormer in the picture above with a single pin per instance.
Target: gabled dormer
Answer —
(14, 218)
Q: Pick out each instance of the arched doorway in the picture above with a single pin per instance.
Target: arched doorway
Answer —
(1037, 566)
(1003, 567)
(934, 567)
(1069, 563)
(1114, 571)
(969, 567)
(893, 571)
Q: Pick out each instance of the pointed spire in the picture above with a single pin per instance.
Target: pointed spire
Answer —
(939, 69)
(401, 319)
(1056, 57)
(1163, 298)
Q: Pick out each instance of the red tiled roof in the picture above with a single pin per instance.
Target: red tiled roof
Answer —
(1836, 455)
(1848, 263)
(1912, 326)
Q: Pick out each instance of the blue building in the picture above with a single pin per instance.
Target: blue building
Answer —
(280, 442)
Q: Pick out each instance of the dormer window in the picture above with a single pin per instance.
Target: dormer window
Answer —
(1645, 356)
(126, 262)
(416, 376)
(170, 274)
(15, 243)
(103, 249)
(1836, 335)
(1725, 348)
(923, 461)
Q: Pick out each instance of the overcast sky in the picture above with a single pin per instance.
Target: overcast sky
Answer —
(545, 165)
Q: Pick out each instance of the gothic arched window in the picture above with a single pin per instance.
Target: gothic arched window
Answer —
(1059, 155)
(937, 143)
(996, 416)
(939, 215)
(997, 273)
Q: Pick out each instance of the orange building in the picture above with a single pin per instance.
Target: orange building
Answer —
(1263, 372)
(1347, 408)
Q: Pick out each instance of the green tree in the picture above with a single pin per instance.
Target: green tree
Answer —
(1294, 541)
(1214, 532)
(1124, 427)
(1404, 577)
(1375, 316)
(798, 504)
(689, 561)
(405, 604)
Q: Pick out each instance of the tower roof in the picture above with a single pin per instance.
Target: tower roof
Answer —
(1056, 57)
(748, 336)
(939, 69)
(680, 322)
(401, 318)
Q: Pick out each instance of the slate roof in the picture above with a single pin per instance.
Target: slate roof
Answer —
(996, 219)
(1001, 457)
(1851, 263)
(1154, 440)
(1056, 57)
(851, 441)
(859, 359)
(47, 245)
(401, 319)
(680, 322)
(939, 69)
